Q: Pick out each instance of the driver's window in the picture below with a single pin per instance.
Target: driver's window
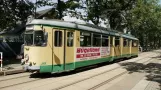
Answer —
(39, 38)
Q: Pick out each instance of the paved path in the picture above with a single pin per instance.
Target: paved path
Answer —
(146, 77)
(11, 69)
(141, 73)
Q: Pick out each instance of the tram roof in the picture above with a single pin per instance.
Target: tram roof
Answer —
(80, 26)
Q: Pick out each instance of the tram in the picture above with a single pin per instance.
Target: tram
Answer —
(58, 46)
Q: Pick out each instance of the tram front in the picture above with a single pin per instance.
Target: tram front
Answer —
(35, 42)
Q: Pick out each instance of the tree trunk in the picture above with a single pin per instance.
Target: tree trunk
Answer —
(59, 9)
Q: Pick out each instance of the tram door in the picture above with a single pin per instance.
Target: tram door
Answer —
(69, 49)
(58, 50)
(63, 50)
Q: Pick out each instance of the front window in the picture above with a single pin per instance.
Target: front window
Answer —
(35, 38)
(29, 38)
(39, 38)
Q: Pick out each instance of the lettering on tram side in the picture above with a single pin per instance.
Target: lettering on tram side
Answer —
(89, 53)
(105, 51)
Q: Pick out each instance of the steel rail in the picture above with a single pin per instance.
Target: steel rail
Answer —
(70, 84)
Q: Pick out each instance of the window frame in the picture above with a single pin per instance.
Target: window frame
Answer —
(106, 37)
(100, 41)
(57, 42)
(34, 38)
(68, 38)
(117, 38)
(111, 41)
(27, 33)
(127, 42)
(89, 37)
(135, 41)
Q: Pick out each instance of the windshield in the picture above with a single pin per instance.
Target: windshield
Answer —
(35, 38)
(38, 38)
(29, 38)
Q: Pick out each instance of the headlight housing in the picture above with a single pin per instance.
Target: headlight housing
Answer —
(26, 58)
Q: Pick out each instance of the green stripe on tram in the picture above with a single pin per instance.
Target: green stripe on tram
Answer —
(72, 66)
(90, 62)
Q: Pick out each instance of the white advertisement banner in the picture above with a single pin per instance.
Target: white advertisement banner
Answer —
(89, 53)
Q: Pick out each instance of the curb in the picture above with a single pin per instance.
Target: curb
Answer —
(9, 72)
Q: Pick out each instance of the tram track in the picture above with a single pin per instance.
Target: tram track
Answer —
(15, 77)
(19, 83)
(73, 83)
(111, 79)
(29, 74)
(1, 81)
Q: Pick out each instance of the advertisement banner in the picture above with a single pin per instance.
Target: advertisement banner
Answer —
(89, 53)
(105, 51)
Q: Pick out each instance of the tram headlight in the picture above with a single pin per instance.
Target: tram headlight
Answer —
(26, 57)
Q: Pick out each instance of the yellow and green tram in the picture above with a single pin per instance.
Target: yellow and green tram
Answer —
(58, 46)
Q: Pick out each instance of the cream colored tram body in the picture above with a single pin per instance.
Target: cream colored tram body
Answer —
(58, 46)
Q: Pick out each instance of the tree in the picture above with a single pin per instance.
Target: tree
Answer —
(94, 9)
(113, 10)
(68, 7)
(17, 11)
(13, 11)
(145, 22)
(140, 17)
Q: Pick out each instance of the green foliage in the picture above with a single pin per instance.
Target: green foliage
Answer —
(13, 11)
(145, 22)
(71, 4)
(17, 11)
(94, 9)
(113, 10)
(41, 3)
(64, 8)
(141, 17)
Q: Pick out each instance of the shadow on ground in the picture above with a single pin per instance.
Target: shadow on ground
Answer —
(153, 69)
(49, 75)
(87, 68)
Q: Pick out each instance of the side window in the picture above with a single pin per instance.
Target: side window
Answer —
(58, 38)
(125, 42)
(111, 40)
(85, 39)
(134, 43)
(70, 36)
(129, 42)
(96, 40)
(104, 40)
(117, 41)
